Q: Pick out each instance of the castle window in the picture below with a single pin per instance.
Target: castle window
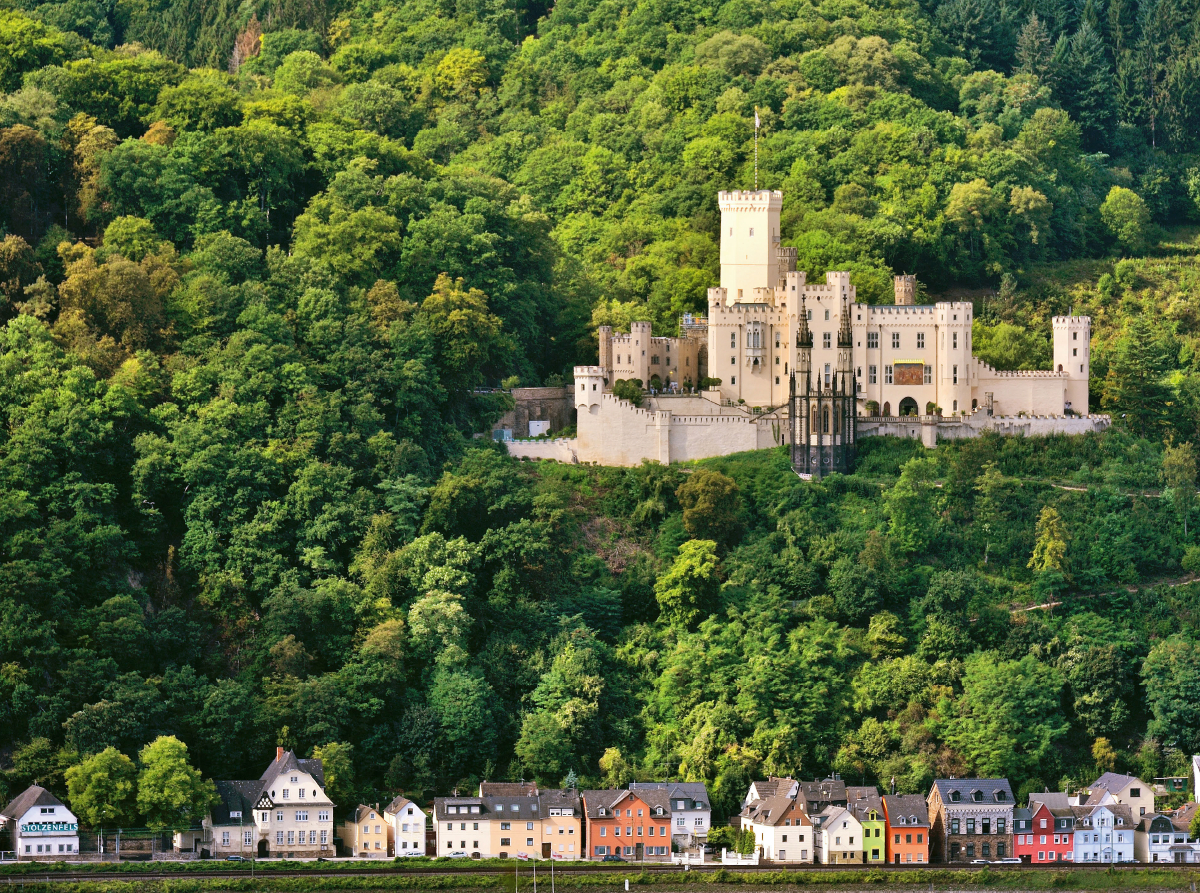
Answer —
(873, 374)
(954, 408)
(887, 374)
(827, 314)
(776, 379)
(668, 361)
(733, 340)
(895, 340)
(920, 340)
(751, 231)
(777, 358)
(828, 376)
(928, 374)
(733, 379)
(955, 374)
(654, 360)
(825, 420)
(1074, 336)
(733, 361)
(826, 339)
(872, 340)
(1074, 351)
(954, 340)
(808, 316)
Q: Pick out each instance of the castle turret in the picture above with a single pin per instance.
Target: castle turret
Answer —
(749, 241)
(906, 290)
(604, 335)
(1072, 355)
(589, 388)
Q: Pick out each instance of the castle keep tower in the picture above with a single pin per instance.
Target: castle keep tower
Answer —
(749, 241)
(1072, 356)
(906, 290)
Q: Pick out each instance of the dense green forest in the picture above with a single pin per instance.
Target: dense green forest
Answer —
(259, 258)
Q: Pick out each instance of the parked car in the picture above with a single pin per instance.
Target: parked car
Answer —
(612, 857)
(1007, 862)
(457, 854)
(979, 861)
(236, 859)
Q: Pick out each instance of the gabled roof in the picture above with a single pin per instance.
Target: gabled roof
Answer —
(693, 791)
(398, 803)
(1155, 822)
(908, 805)
(363, 811)
(1114, 781)
(287, 761)
(990, 790)
(1182, 817)
(593, 801)
(34, 795)
(1052, 799)
(774, 810)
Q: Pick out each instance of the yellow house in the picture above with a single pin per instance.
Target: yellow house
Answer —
(365, 834)
(511, 821)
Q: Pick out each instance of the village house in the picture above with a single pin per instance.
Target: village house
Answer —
(1156, 839)
(405, 827)
(510, 820)
(635, 825)
(1104, 830)
(1127, 789)
(970, 818)
(866, 806)
(839, 836)
(1044, 831)
(761, 789)
(39, 826)
(364, 833)
(283, 814)
(782, 832)
(907, 817)
(691, 810)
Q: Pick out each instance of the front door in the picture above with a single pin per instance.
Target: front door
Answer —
(545, 851)
(639, 853)
(897, 858)
(262, 849)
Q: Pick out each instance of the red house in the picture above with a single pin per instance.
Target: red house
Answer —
(635, 825)
(1044, 832)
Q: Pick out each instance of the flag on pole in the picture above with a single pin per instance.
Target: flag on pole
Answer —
(756, 125)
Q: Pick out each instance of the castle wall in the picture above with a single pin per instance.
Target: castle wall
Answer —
(553, 405)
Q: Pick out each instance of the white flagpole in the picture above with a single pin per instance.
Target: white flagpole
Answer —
(756, 148)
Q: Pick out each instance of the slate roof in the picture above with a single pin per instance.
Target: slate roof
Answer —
(1052, 799)
(440, 805)
(1114, 781)
(988, 787)
(508, 789)
(693, 791)
(235, 796)
(608, 799)
(287, 762)
(1182, 817)
(861, 792)
(34, 795)
(907, 805)
(558, 798)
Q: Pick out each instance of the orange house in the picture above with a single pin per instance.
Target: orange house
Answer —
(635, 825)
(907, 817)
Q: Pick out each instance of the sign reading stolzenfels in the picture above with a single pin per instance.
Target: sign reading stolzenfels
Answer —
(43, 827)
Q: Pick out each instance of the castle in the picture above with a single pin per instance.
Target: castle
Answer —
(781, 360)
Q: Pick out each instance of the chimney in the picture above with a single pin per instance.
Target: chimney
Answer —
(279, 753)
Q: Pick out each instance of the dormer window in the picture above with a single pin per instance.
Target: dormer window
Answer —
(912, 819)
(977, 796)
(955, 796)
(600, 811)
(1001, 796)
(900, 820)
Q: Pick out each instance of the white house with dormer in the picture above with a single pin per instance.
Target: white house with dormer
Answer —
(39, 826)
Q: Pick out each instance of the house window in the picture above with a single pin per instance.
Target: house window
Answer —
(291, 837)
(895, 340)
(970, 826)
(872, 340)
(920, 340)
(285, 793)
(279, 837)
(954, 826)
(323, 816)
(985, 826)
(247, 839)
(302, 793)
(506, 826)
(505, 841)
(872, 374)
(1000, 825)
(224, 838)
(887, 374)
